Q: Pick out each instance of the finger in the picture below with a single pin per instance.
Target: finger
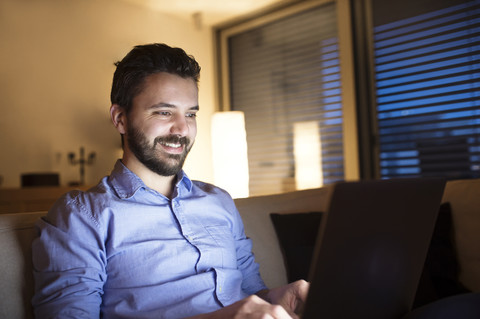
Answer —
(278, 312)
(302, 288)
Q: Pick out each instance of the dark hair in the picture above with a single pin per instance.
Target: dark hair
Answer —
(144, 60)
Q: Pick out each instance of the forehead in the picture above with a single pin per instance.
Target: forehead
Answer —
(167, 88)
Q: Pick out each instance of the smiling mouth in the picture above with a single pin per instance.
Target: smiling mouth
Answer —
(171, 144)
(172, 148)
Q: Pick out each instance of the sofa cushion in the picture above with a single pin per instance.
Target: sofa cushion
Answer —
(297, 234)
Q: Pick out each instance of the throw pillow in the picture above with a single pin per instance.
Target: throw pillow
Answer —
(297, 234)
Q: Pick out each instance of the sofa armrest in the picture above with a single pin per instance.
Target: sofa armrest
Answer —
(17, 232)
(464, 199)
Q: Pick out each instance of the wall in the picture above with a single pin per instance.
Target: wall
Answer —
(56, 64)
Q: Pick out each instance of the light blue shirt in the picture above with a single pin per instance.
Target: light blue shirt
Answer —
(122, 250)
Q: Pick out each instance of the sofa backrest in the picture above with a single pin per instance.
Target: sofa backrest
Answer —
(255, 212)
(16, 277)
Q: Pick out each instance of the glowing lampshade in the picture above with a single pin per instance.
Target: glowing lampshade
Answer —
(229, 146)
(307, 151)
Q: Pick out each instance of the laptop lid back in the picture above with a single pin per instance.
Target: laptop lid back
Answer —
(370, 251)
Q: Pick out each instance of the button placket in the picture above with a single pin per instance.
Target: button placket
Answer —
(186, 231)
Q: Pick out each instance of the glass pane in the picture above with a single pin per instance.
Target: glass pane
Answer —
(428, 89)
(284, 73)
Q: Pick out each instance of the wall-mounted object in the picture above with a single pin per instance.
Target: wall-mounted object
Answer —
(82, 161)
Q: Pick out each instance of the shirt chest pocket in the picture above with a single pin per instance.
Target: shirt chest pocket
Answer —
(222, 250)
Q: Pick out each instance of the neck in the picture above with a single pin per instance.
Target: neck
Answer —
(162, 184)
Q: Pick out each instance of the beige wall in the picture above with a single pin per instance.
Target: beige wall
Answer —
(56, 66)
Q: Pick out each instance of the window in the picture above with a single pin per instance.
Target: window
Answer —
(284, 74)
(427, 75)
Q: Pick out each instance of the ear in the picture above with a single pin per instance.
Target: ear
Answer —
(118, 117)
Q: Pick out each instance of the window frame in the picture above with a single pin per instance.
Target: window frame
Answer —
(344, 26)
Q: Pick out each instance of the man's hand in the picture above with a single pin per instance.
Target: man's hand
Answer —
(277, 303)
(252, 307)
(291, 297)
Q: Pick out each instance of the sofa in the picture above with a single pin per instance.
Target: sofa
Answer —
(463, 197)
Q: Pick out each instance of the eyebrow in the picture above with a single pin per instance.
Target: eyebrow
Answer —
(167, 105)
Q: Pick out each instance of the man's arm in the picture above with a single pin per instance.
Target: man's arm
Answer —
(69, 264)
(281, 302)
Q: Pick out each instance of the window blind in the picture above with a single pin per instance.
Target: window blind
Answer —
(282, 73)
(427, 70)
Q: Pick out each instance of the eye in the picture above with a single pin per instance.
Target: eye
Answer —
(162, 113)
(191, 115)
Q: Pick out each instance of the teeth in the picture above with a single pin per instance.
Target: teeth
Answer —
(172, 145)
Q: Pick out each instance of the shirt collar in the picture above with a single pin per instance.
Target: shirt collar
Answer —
(126, 183)
(182, 178)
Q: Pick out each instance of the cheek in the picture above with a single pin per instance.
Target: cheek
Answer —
(193, 130)
(154, 131)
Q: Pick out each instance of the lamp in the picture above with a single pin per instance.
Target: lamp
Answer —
(307, 149)
(229, 146)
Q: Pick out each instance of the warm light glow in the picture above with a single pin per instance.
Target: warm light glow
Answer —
(230, 160)
(307, 149)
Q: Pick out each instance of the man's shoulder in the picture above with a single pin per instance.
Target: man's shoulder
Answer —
(212, 194)
(91, 201)
(209, 188)
(101, 190)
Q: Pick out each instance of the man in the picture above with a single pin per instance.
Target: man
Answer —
(147, 242)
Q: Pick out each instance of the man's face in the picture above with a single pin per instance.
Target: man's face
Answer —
(161, 126)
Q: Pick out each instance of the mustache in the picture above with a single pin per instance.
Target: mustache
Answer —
(174, 139)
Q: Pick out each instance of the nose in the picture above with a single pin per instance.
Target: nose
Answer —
(179, 126)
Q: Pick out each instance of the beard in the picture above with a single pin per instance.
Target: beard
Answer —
(159, 162)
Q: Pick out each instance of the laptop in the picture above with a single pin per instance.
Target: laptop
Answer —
(371, 248)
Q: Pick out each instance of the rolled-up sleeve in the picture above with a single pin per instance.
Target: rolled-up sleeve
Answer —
(69, 263)
(252, 281)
